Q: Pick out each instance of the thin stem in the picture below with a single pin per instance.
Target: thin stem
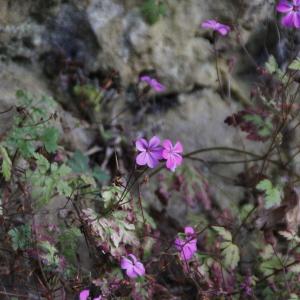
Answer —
(217, 66)
(220, 148)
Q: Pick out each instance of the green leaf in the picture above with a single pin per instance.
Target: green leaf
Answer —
(50, 256)
(68, 242)
(42, 163)
(295, 268)
(225, 234)
(245, 210)
(295, 64)
(152, 10)
(90, 93)
(50, 139)
(293, 297)
(290, 235)
(264, 132)
(270, 265)
(264, 126)
(231, 254)
(48, 178)
(100, 175)
(21, 237)
(29, 127)
(6, 164)
(79, 163)
(255, 119)
(114, 230)
(26, 148)
(272, 65)
(111, 195)
(272, 194)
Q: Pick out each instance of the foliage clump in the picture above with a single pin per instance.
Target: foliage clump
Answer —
(152, 10)
(54, 201)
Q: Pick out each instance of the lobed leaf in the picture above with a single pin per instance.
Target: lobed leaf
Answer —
(295, 64)
(272, 194)
(231, 254)
(223, 233)
(6, 163)
(49, 138)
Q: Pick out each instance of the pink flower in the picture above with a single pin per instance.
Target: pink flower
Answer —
(133, 267)
(151, 152)
(153, 83)
(188, 245)
(292, 11)
(172, 154)
(216, 26)
(246, 286)
(84, 295)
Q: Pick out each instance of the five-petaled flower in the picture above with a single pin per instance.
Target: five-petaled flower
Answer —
(172, 154)
(186, 246)
(292, 11)
(151, 152)
(216, 26)
(157, 86)
(132, 266)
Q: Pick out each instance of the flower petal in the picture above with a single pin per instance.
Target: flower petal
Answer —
(139, 269)
(297, 20)
(296, 2)
(171, 163)
(165, 154)
(167, 144)
(154, 142)
(157, 86)
(84, 295)
(223, 29)
(288, 20)
(133, 258)
(130, 272)
(142, 159)
(178, 147)
(126, 263)
(146, 79)
(284, 7)
(177, 159)
(141, 145)
(179, 243)
(211, 24)
(157, 153)
(188, 251)
(152, 162)
(189, 230)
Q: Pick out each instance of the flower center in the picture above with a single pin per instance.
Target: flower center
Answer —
(296, 8)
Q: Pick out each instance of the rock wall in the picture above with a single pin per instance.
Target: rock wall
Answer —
(43, 39)
(113, 34)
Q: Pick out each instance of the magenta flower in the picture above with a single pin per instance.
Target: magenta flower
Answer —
(188, 245)
(151, 152)
(216, 26)
(292, 11)
(84, 295)
(132, 266)
(153, 83)
(172, 154)
(246, 286)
